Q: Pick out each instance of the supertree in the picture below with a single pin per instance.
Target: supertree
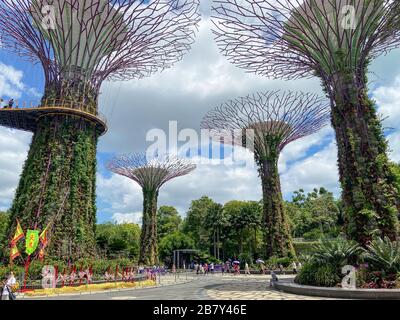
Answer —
(334, 40)
(151, 175)
(79, 44)
(265, 123)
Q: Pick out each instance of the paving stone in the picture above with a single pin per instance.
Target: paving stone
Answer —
(200, 287)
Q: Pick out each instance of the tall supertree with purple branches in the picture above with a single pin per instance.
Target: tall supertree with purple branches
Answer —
(334, 40)
(151, 175)
(80, 44)
(265, 123)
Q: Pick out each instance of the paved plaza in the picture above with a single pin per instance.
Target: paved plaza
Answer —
(192, 287)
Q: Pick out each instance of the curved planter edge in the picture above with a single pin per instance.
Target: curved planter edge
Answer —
(338, 293)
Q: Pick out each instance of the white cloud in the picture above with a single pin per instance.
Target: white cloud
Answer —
(318, 170)
(388, 101)
(135, 217)
(13, 151)
(13, 143)
(184, 93)
(10, 81)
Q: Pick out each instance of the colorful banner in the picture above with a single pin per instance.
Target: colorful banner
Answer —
(32, 241)
(19, 234)
(14, 252)
(41, 254)
(43, 237)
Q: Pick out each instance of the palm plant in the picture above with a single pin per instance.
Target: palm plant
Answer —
(383, 254)
(306, 258)
(336, 253)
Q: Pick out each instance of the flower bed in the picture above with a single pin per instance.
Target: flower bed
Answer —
(90, 288)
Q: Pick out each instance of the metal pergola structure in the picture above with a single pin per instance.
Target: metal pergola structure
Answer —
(177, 254)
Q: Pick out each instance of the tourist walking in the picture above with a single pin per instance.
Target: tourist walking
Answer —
(246, 268)
(8, 285)
(212, 267)
(281, 268)
(299, 266)
(236, 266)
(227, 266)
(294, 267)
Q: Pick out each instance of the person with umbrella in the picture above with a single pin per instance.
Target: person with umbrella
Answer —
(262, 265)
(236, 266)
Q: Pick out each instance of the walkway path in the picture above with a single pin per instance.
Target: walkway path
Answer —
(227, 287)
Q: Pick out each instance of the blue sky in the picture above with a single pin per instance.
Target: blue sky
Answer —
(184, 93)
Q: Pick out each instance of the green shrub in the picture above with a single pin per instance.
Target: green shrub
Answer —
(304, 247)
(245, 257)
(35, 269)
(274, 262)
(383, 255)
(305, 258)
(5, 271)
(314, 234)
(314, 274)
(337, 253)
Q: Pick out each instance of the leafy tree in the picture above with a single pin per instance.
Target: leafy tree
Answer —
(395, 168)
(315, 214)
(252, 214)
(118, 240)
(243, 217)
(216, 221)
(194, 222)
(168, 221)
(4, 220)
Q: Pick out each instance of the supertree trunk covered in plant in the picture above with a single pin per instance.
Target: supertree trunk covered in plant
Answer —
(265, 123)
(369, 196)
(148, 236)
(151, 175)
(278, 240)
(334, 40)
(57, 185)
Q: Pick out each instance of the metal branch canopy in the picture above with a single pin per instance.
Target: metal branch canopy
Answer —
(276, 119)
(298, 38)
(153, 173)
